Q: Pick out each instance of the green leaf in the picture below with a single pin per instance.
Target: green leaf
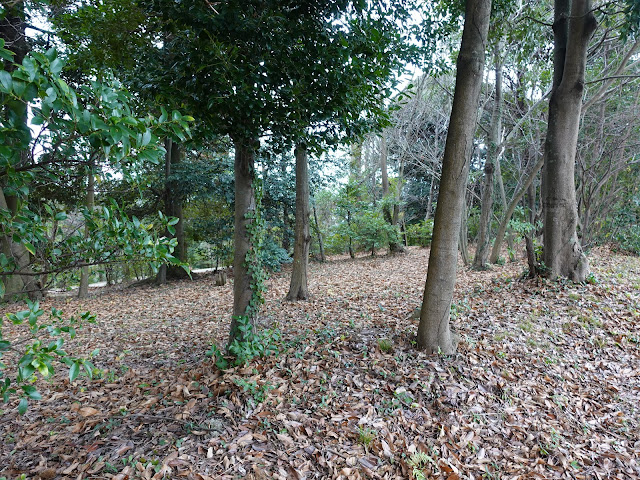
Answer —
(56, 66)
(6, 81)
(22, 407)
(30, 248)
(1, 289)
(30, 67)
(146, 138)
(74, 371)
(31, 392)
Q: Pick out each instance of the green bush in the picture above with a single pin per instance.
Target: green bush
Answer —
(420, 233)
(273, 256)
(372, 232)
(628, 239)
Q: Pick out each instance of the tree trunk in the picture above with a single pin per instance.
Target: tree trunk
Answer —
(83, 291)
(502, 229)
(298, 289)
(12, 31)
(173, 208)
(434, 333)
(23, 280)
(319, 233)
(528, 238)
(351, 253)
(390, 216)
(464, 234)
(245, 208)
(574, 24)
(286, 241)
(492, 160)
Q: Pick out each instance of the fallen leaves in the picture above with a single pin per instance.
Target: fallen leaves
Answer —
(546, 382)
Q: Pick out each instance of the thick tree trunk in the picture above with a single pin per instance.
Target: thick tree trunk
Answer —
(319, 233)
(83, 291)
(574, 24)
(298, 289)
(492, 161)
(12, 31)
(23, 281)
(245, 207)
(434, 334)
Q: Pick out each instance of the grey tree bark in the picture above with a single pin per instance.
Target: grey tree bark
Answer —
(434, 333)
(323, 258)
(83, 291)
(502, 229)
(574, 24)
(390, 216)
(492, 164)
(298, 289)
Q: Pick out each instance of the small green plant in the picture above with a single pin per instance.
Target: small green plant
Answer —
(255, 344)
(419, 462)
(258, 392)
(366, 436)
(41, 352)
(385, 345)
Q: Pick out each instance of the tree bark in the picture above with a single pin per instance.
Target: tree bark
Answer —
(245, 207)
(286, 241)
(574, 24)
(528, 238)
(502, 229)
(173, 208)
(83, 291)
(389, 216)
(320, 242)
(298, 289)
(434, 334)
(490, 167)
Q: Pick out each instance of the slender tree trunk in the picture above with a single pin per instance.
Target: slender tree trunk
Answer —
(434, 333)
(286, 241)
(245, 207)
(464, 235)
(427, 215)
(298, 289)
(173, 208)
(351, 253)
(574, 24)
(390, 216)
(83, 291)
(528, 238)
(502, 229)
(319, 233)
(492, 161)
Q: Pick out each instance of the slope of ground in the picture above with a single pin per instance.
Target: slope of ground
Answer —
(546, 382)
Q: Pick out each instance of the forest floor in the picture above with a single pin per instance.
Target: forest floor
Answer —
(545, 384)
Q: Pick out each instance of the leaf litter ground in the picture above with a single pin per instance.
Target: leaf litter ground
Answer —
(545, 384)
